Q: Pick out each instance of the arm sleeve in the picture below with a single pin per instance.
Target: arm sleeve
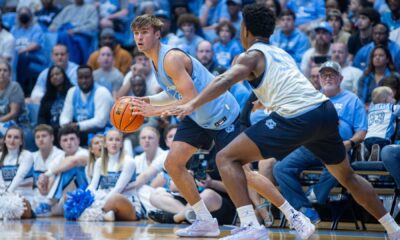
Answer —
(161, 99)
(102, 105)
(25, 166)
(127, 172)
(67, 111)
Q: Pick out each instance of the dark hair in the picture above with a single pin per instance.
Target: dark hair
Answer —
(371, 67)
(392, 81)
(84, 66)
(4, 146)
(288, 12)
(189, 18)
(259, 20)
(168, 128)
(228, 24)
(51, 90)
(370, 13)
(65, 130)
(383, 24)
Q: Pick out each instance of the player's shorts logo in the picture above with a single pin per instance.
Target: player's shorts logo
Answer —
(230, 128)
(270, 124)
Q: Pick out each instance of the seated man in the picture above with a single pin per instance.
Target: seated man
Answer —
(75, 25)
(59, 57)
(51, 181)
(352, 128)
(87, 106)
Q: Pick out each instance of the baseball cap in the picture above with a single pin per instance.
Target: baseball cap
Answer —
(107, 32)
(162, 13)
(235, 2)
(324, 26)
(331, 65)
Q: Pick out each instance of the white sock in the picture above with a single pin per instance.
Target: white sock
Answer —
(389, 224)
(248, 216)
(287, 209)
(201, 211)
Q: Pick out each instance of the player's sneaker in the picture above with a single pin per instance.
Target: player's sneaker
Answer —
(394, 236)
(200, 228)
(248, 233)
(302, 225)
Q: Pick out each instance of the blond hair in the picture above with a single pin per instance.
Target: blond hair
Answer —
(92, 157)
(380, 94)
(104, 156)
(146, 20)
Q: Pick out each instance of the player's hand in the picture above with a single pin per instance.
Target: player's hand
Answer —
(141, 107)
(180, 111)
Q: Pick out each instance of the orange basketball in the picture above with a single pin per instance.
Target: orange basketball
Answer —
(122, 118)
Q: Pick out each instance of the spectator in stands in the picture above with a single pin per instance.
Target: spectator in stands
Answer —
(382, 115)
(314, 77)
(167, 37)
(380, 65)
(107, 75)
(290, 38)
(355, 9)
(76, 25)
(29, 40)
(308, 13)
(141, 66)
(367, 19)
(227, 47)
(95, 148)
(12, 104)
(352, 129)
(7, 43)
(390, 157)
(392, 81)
(274, 5)
(209, 16)
(380, 36)
(234, 15)
(46, 14)
(205, 54)
(350, 74)
(335, 19)
(51, 105)
(87, 105)
(189, 25)
(321, 52)
(392, 18)
(53, 178)
(122, 58)
(111, 14)
(59, 57)
(178, 8)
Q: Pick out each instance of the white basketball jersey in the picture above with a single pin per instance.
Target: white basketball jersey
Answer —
(283, 88)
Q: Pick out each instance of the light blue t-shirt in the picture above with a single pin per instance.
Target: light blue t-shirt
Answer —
(307, 10)
(224, 54)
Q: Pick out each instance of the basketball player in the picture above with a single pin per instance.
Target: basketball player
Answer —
(300, 115)
(181, 77)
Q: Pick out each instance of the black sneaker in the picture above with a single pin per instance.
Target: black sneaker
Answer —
(161, 216)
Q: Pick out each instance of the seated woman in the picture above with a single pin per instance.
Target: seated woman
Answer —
(113, 172)
(57, 85)
(16, 176)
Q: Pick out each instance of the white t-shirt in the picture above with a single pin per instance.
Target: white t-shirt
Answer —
(7, 44)
(157, 163)
(351, 75)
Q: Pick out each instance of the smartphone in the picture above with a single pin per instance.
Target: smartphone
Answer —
(321, 59)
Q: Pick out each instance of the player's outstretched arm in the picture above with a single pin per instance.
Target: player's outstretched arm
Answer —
(248, 65)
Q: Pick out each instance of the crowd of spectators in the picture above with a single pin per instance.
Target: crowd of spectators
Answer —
(63, 64)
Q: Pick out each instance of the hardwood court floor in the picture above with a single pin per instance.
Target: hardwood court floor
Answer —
(57, 228)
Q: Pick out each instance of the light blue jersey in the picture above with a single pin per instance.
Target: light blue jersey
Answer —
(382, 120)
(216, 114)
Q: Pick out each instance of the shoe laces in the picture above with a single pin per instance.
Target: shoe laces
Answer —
(297, 222)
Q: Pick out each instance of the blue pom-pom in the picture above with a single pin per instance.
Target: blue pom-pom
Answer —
(76, 203)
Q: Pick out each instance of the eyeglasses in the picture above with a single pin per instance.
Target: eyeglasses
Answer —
(328, 75)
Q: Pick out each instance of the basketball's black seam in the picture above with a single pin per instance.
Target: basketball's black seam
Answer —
(132, 121)
(122, 115)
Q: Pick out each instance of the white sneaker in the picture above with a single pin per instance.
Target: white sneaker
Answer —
(394, 236)
(302, 225)
(248, 233)
(200, 228)
(109, 216)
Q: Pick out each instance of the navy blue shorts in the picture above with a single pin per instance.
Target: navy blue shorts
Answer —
(317, 130)
(191, 133)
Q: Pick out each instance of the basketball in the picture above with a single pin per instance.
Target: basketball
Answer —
(122, 118)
